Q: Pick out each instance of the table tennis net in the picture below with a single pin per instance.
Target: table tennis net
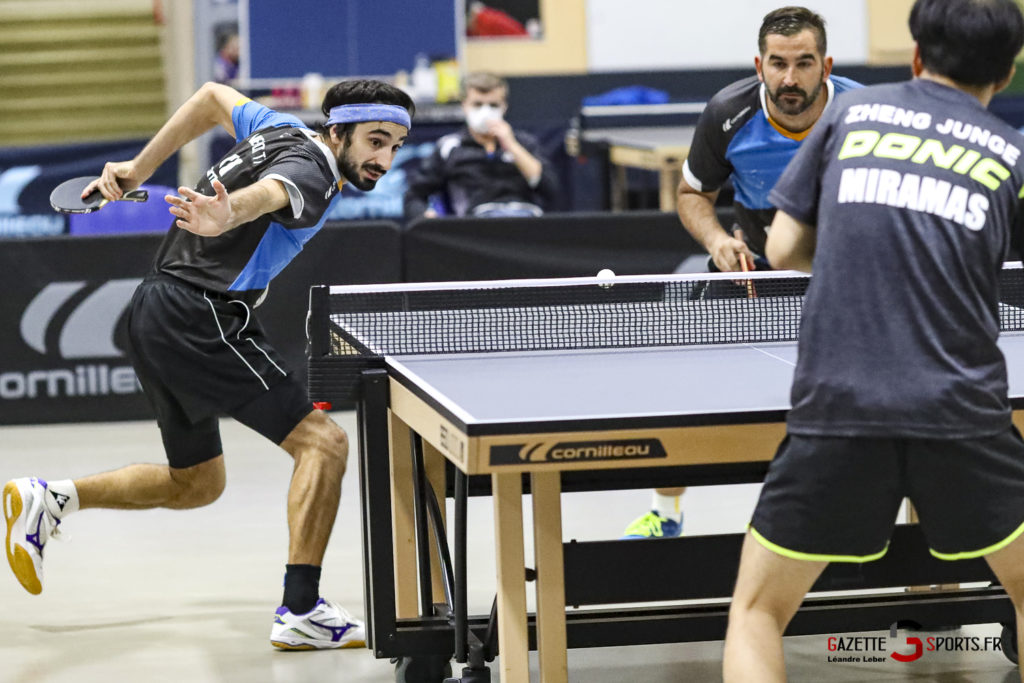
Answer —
(585, 313)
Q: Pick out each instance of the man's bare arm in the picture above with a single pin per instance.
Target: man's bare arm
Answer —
(209, 106)
(211, 216)
(790, 243)
(697, 212)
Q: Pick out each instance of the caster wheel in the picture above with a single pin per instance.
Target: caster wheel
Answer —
(1008, 639)
(469, 675)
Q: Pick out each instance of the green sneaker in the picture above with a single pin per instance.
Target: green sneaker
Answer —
(653, 525)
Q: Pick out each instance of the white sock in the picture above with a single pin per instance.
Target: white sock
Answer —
(61, 498)
(667, 506)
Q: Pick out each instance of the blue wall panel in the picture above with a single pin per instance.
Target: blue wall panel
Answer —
(346, 37)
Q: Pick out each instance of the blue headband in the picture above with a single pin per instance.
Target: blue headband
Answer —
(361, 113)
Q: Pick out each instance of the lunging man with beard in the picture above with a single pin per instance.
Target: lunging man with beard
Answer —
(748, 133)
(199, 350)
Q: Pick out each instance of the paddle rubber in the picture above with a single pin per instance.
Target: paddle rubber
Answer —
(67, 197)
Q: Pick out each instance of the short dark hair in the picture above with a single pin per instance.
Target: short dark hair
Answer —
(223, 33)
(789, 21)
(973, 42)
(484, 82)
(363, 91)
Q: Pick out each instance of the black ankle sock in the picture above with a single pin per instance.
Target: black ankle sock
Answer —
(301, 587)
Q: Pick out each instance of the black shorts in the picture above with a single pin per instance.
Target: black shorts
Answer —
(200, 354)
(836, 499)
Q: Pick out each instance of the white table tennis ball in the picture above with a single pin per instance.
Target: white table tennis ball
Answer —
(606, 273)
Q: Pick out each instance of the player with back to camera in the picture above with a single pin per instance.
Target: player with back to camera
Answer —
(900, 389)
(198, 348)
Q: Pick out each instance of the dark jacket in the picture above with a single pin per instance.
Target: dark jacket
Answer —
(466, 176)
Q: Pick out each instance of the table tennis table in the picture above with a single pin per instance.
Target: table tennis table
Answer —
(662, 150)
(587, 384)
(649, 137)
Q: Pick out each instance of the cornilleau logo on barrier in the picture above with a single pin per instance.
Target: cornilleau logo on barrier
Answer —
(12, 182)
(87, 332)
(13, 223)
(577, 451)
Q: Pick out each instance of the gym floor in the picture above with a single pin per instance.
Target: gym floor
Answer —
(189, 596)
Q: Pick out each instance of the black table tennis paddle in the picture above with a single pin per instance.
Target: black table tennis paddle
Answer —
(67, 197)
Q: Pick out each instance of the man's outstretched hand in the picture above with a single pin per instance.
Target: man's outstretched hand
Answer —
(202, 214)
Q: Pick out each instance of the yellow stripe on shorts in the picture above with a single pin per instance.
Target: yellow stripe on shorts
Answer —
(971, 554)
(811, 557)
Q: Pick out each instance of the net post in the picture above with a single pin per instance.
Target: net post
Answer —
(317, 328)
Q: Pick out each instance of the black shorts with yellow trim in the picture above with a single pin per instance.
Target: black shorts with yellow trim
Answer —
(836, 499)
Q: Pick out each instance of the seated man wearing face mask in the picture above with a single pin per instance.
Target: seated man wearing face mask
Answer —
(487, 169)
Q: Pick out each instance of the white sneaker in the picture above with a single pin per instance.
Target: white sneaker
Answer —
(29, 526)
(325, 627)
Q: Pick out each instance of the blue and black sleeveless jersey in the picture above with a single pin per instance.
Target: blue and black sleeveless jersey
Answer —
(244, 260)
(735, 137)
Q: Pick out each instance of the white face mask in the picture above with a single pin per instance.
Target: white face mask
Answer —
(478, 118)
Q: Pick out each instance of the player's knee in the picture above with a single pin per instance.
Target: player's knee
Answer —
(334, 446)
(742, 604)
(204, 493)
(199, 485)
(319, 437)
(746, 610)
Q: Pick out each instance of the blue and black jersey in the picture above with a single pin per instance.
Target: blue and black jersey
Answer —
(736, 138)
(244, 260)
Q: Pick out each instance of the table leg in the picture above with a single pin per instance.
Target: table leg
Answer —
(668, 179)
(620, 188)
(434, 466)
(513, 638)
(547, 538)
(402, 511)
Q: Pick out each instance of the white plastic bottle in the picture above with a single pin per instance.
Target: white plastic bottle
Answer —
(424, 80)
(313, 90)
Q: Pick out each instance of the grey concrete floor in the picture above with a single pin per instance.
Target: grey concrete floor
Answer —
(189, 596)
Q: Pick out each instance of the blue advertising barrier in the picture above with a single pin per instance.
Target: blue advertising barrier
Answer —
(29, 174)
(63, 339)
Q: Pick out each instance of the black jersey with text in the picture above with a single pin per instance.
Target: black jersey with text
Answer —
(245, 259)
(736, 138)
(914, 190)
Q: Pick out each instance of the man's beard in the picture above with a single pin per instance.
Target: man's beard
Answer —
(351, 172)
(791, 109)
